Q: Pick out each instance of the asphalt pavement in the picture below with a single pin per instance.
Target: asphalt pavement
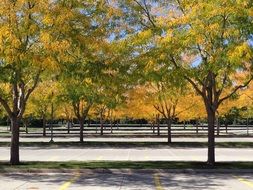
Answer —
(126, 180)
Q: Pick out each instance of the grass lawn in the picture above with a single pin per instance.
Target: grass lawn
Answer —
(98, 144)
(4, 166)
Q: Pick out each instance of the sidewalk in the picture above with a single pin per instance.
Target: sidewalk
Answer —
(126, 154)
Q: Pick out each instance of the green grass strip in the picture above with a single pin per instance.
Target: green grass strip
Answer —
(98, 144)
(125, 165)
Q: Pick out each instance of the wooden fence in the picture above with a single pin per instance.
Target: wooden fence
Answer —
(146, 129)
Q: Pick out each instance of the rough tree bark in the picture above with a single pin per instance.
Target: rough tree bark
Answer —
(14, 160)
(81, 122)
(81, 112)
(211, 137)
(44, 124)
(169, 129)
(101, 117)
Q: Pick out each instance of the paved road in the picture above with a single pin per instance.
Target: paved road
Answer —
(127, 180)
(177, 139)
(124, 154)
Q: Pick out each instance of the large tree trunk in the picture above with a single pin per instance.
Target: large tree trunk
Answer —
(211, 137)
(169, 129)
(44, 125)
(14, 141)
(81, 122)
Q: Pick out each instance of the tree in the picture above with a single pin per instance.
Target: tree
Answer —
(137, 104)
(168, 102)
(66, 112)
(218, 44)
(83, 63)
(110, 93)
(167, 88)
(80, 96)
(211, 32)
(213, 36)
(22, 59)
(41, 100)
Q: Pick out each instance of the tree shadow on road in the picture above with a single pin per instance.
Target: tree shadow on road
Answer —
(129, 179)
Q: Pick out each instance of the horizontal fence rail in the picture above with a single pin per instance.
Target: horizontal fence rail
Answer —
(138, 129)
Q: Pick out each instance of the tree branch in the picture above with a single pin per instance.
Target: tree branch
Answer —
(146, 11)
(36, 81)
(160, 111)
(6, 106)
(235, 90)
(195, 86)
(177, 114)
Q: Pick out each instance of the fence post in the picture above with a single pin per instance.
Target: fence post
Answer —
(111, 126)
(8, 123)
(218, 126)
(101, 129)
(25, 125)
(51, 123)
(88, 123)
(153, 127)
(247, 126)
(158, 125)
(68, 126)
